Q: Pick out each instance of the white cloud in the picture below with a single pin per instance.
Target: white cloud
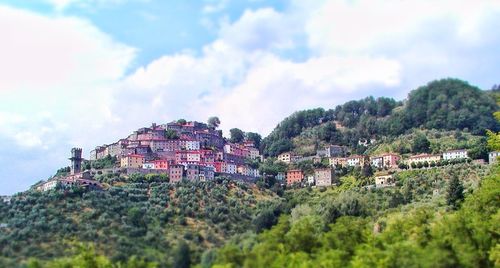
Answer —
(57, 75)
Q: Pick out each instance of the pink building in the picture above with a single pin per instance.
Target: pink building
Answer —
(391, 160)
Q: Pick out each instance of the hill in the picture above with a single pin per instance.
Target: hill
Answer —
(142, 219)
(447, 104)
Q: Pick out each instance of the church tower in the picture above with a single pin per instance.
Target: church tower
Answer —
(76, 160)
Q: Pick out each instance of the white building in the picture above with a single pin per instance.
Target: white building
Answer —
(231, 168)
(47, 186)
(148, 166)
(310, 179)
(192, 145)
(455, 154)
(254, 152)
(384, 180)
(492, 157)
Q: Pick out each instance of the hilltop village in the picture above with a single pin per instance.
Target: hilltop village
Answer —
(196, 151)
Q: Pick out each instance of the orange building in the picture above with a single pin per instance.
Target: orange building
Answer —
(294, 176)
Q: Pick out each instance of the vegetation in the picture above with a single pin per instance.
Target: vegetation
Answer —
(446, 105)
(145, 219)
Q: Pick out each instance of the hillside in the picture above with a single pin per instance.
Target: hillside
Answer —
(444, 105)
(142, 219)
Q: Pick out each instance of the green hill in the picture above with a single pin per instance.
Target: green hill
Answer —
(447, 104)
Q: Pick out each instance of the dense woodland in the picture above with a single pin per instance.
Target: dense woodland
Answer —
(444, 215)
(447, 104)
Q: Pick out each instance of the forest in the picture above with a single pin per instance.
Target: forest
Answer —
(447, 104)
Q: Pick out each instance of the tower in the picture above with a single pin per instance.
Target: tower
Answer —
(76, 160)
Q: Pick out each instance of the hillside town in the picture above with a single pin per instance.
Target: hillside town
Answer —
(197, 151)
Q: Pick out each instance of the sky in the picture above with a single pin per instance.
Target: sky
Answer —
(88, 72)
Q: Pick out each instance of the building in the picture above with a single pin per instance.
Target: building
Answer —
(76, 160)
(332, 151)
(421, 158)
(6, 198)
(280, 177)
(206, 173)
(384, 180)
(192, 172)
(287, 157)
(390, 160)
(231, 168)
(310, 179)
(148, 166)
(492, 157)
(323, 176)
(356, 160)
(338, 161)
(220, 167)
(254, 153)
(455, 154)
(160, 164)
(132, 161)
(377, 161)
(175, 173)
(47, 186)
(294, 176)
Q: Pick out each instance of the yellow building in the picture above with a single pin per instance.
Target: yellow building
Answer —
(132, 161)
(421, 158)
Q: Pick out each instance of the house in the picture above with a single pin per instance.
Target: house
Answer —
(280, 176)
(190, 145)
(148, 165)
(287, 157)
(49, 185)
(332, 151)
(294, 176)
(323, 176)
(384, 180)
(455, 154)
(192, 172)
(310, 179)
(231, 168)
(254, 153)
(206, 173)
(160, 164)
(356, 160)
(338, 161)
(220, 167)
(421, 158)
(377, 161)
(132, 161)
(492, 157)
(175, 172)
(391, 160)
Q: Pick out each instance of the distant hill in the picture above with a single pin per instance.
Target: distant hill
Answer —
(447, 104)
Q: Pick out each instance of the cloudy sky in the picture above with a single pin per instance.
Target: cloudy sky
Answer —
(87, 72)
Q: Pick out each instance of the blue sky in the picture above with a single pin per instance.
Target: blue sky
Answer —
(87, 72)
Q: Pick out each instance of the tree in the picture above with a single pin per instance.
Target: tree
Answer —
(171, 134)
(421, 144)
(182, 121)
(213, 122)
(455, 193)
(255, 137)
(237, 135)
(182, 256)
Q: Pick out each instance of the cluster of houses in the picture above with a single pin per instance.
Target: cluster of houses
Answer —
(195, 151)
(337, 158)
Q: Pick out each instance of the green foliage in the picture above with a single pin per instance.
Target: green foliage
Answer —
(171, 134)
(182, 121)
(237, 135)
(415, 236)
(182, 257)
(455, 193)
(145, 218)
(106, 162)
(255, 137)
(421, 144)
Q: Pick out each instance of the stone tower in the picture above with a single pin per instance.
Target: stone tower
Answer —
(76, 160)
